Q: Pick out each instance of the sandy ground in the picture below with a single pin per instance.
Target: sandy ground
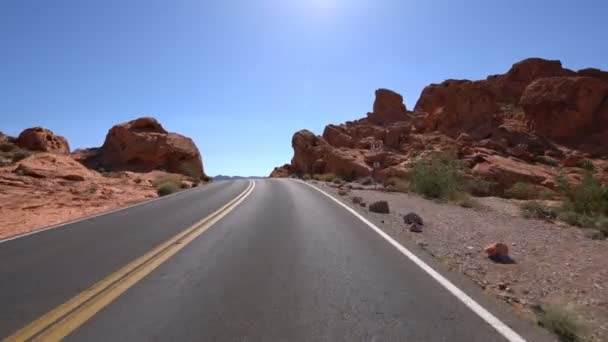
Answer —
(31, 202)
(554, 264)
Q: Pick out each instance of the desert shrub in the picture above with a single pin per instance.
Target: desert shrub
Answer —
(166, 185)
(337, 180)
(206, 178)
(184, 185)
(21, 154)
(398, 184)
(562, 182)
(546, 160)
(466, 201)
(601, 224)
(437, 176)
(480, 187)
(521, 190)
(586, 164)
(537, 210)
(587, 198)
(366, 181)
(546, 194)
(196, 183)
(166, 189)
(325, 177)
(306, 176)
(562, 322)
(576, 219)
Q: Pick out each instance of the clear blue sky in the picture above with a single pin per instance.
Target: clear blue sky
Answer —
(240, 77)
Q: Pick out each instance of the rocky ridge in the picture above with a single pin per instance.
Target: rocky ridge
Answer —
(523, 125)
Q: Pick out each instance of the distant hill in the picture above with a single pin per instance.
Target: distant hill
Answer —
(222, 177)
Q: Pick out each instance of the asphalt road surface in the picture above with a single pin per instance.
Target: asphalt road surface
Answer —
(286, 263)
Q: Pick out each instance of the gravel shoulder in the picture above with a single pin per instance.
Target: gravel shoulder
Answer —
(555, 264)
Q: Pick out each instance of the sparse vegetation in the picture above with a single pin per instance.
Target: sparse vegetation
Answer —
(466, 201)
(537, 210)
(480, 187)
(366, 181)
(166, 185)
(562, 322)
(575, 219)
(521, 190)
(20, 154)
(206, 179)
(337, 180)
(546, 160)
(398, 184)
(586, 164)
(437, 176)
(306, 176)
(587, 198)
(325, 177)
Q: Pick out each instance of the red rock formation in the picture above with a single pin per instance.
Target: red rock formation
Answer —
(49, 165)
(42, 139)
(567, 109)
(457, 106)
(144, 145)
(508, 128)
(388, 108)
(281, 172)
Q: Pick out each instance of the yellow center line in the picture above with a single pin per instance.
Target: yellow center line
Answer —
(67, 317)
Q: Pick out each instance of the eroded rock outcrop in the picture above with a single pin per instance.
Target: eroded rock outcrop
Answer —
(42, 139)
(144, 145)
(508, 128)
(568, 110)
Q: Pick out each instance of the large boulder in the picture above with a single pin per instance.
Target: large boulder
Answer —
(567, 109)
(313, 155)
(388, 108)
(144, 145)
(308, 152)
(43, 139)
(505, 171)
(54, 166)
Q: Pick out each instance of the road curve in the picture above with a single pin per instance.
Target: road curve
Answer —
(287, 264)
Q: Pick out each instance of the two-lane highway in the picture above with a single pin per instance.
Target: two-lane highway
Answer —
(282, 262)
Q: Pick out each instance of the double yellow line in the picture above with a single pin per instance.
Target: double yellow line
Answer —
(64, 319)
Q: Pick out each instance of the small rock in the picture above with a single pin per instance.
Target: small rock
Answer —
(416, 228)
(499, 252)
(357, 200)
(379, 207)
(412, 218)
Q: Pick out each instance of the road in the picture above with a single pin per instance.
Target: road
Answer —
(284, 263)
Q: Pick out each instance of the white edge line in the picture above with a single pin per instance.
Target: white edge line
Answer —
(40, 230)
(497, 324)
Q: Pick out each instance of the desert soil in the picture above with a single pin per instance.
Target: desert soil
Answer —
(29, 203)
(555, 264)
